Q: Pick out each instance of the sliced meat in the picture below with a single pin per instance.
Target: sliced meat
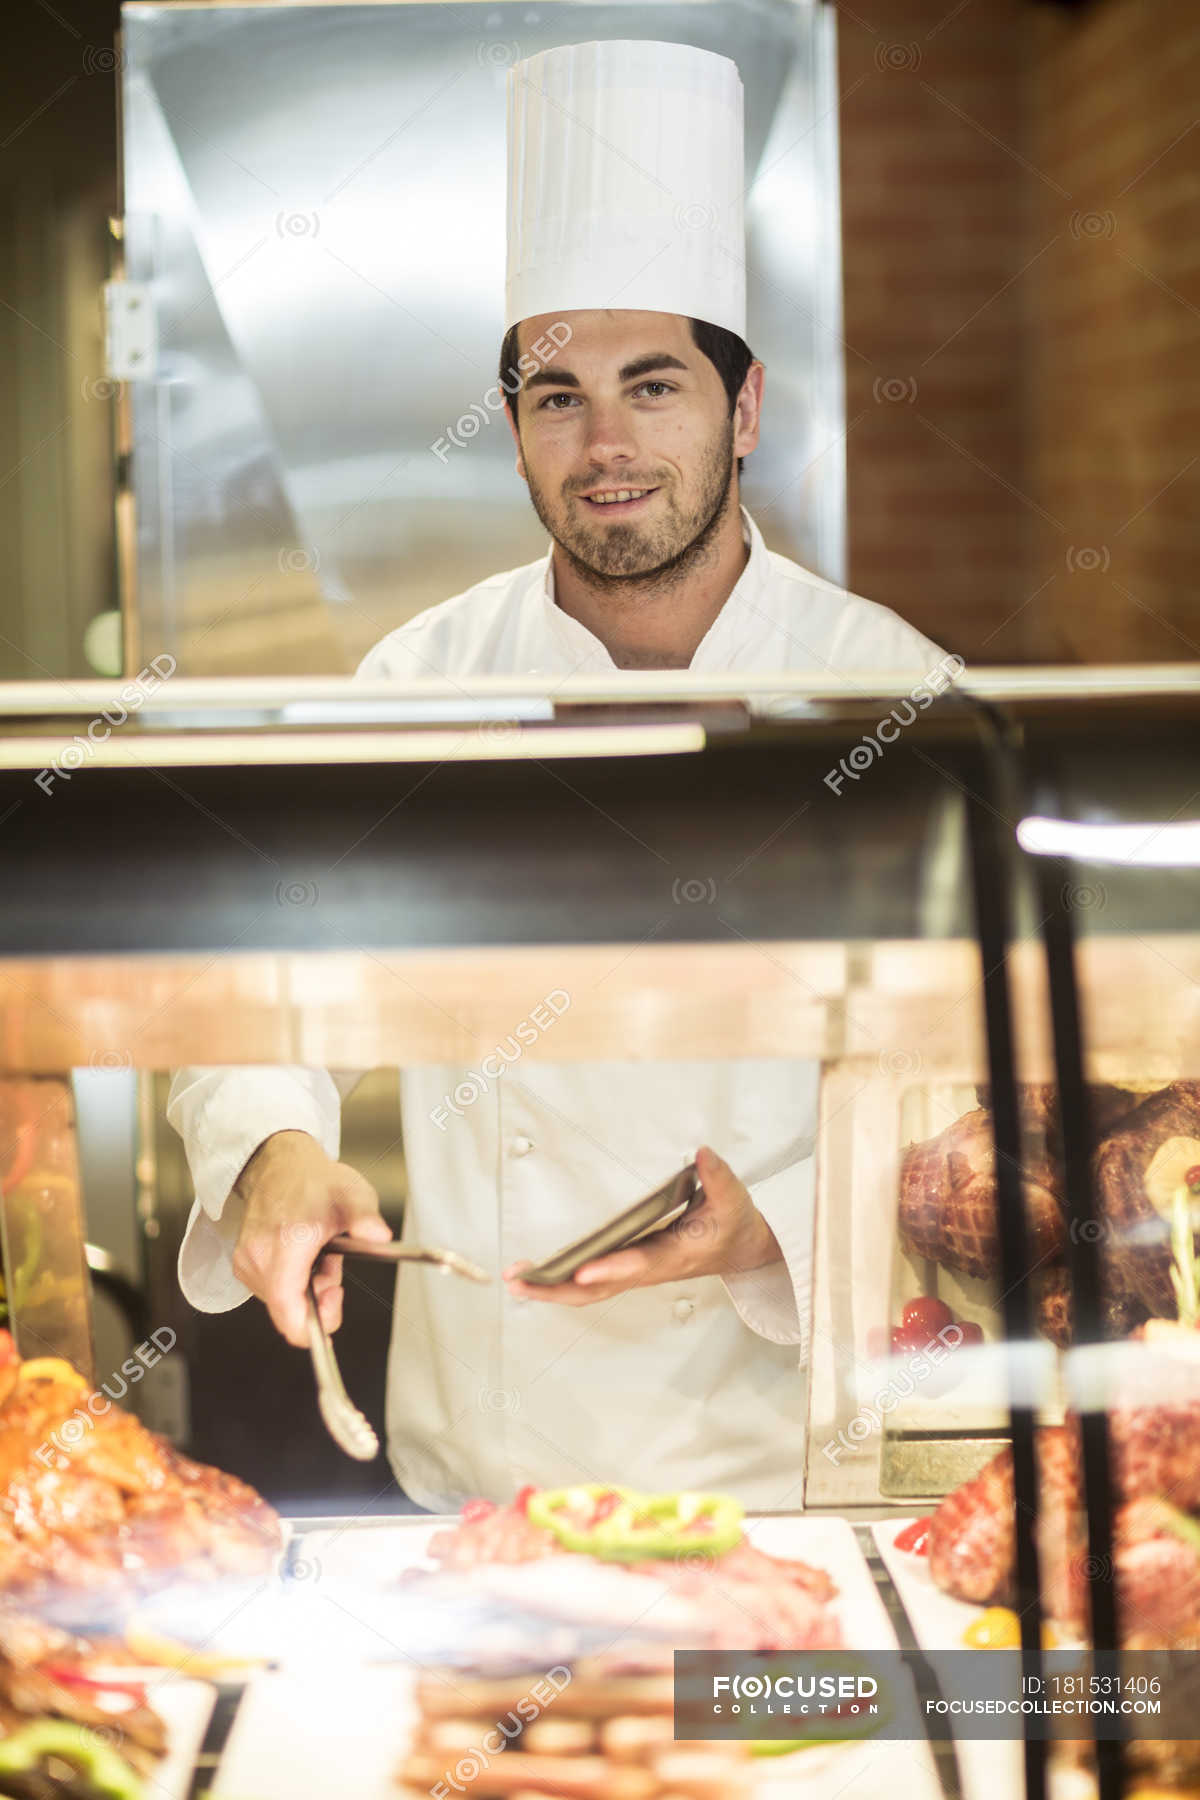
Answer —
(503, 1536)
(1156, 1452)
(741, 1599)
(1157, 1580)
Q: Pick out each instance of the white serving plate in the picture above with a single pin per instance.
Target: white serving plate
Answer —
(345, 1565)
(331, 1731)
(185, 1708)
(364, 1548)
(829, 1543)
(938, 1620)
(346, 1732)
(317, 1730)
(358, 1553)
(346, 1568)
(990, 1770)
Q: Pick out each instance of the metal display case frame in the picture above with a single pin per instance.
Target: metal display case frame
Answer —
(224, 878)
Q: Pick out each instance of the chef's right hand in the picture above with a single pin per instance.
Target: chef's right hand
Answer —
(296, 1198)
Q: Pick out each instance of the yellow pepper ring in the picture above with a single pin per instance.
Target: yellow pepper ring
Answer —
(52, 1368)
(46, 1178)
(170, 1653)
(998, 1628)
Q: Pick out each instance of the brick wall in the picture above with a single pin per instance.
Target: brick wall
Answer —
(1022, 320)
(1115, 359)
(934, 224)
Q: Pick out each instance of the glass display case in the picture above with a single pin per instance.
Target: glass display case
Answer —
(976, 915)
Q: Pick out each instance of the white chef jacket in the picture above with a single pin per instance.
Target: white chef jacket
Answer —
(694, 1384)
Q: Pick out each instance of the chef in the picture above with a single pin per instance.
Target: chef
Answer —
(680, 1362)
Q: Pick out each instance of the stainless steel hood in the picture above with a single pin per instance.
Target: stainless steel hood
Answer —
(314, 221)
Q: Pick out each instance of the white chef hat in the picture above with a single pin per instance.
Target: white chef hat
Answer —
(625, 182)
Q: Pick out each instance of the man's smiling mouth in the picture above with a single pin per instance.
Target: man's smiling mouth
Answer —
(620, 498)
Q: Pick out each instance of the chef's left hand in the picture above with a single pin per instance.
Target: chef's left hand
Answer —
(724, 1235)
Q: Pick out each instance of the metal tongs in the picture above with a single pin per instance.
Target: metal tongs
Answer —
(448, 1261)
(348, 1428)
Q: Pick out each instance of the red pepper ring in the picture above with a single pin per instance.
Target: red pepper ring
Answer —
(22, 1162)
(586, 1519)
(64, 1676)
(914, 1537)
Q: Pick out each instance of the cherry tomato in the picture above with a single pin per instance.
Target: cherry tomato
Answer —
(906, 1338)
(971, 1333)
(472, 1510)
(522, 1500)
(915, 1537)
(930, 1313)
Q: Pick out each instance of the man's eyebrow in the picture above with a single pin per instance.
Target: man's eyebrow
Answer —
(644, 365)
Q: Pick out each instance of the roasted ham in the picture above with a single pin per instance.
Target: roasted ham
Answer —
(1138, 1249)
(948, 1211)
(1054, 1308)
(1156, 1477)
(90, 1499)
(948, 1198)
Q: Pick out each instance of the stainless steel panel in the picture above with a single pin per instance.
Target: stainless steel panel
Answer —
(315, 199)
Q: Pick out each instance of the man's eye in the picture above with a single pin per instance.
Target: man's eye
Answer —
(645, 387)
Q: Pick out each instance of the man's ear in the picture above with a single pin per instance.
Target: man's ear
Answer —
(512, 426)
(748, 410)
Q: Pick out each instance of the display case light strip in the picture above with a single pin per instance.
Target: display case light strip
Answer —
(621, 687)
(490, 741)
(1148, 844)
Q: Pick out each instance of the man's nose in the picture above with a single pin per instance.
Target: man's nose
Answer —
(610, 436)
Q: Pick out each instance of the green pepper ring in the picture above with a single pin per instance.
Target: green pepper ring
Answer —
(110, 1773)
(619, 1538)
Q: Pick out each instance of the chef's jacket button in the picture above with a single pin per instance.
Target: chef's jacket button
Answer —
(520, 1146)
(683, 1309)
